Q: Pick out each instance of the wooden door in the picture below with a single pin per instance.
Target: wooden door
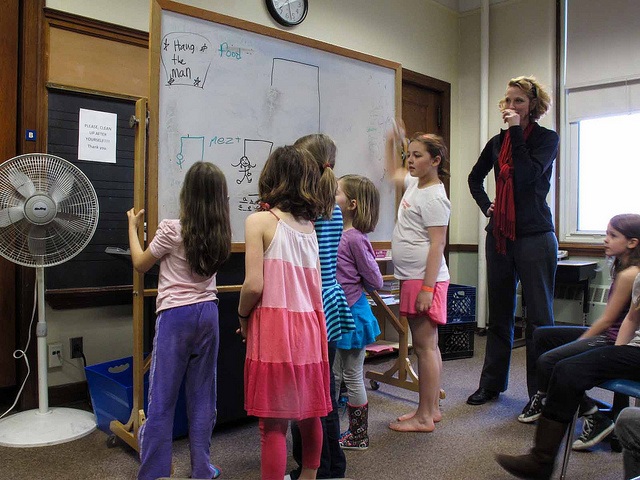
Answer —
(426, 107)
(9, 24)
(421, 109)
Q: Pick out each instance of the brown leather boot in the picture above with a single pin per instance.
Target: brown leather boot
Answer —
(540, 461)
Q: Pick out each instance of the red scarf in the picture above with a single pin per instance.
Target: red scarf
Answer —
(504, 215)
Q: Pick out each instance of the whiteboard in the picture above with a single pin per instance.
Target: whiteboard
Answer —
(229, 92)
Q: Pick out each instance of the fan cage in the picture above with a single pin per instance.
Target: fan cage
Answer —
(76, 217)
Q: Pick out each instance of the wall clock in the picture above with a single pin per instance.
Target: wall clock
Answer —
(288, 12)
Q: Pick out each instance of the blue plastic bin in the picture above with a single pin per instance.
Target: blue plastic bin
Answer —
(111, 391)
(461, 303)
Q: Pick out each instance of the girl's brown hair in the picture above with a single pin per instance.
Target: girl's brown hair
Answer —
(540, 100)
(367, 197)
(628, 224)
(435, 145)
(323, 152)
(204, 218)
(289, 181)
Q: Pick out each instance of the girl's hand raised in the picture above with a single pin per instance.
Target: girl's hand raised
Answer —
(396, 145)
(398, 133)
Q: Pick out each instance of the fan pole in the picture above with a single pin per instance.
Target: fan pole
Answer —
(44, 426)
(41, 333)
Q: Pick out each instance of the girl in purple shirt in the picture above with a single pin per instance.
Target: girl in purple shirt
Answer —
(357, 271)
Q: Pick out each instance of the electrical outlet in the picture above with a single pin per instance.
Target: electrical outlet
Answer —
(76, 347)
(55, 355)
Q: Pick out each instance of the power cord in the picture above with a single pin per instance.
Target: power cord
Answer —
(17, 354)
(73, 364)
(84, 361)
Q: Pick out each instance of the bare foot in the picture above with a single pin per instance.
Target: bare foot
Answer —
(403, 418)
(407, 416)
(413, 425)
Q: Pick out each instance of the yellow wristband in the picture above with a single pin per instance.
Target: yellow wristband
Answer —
(426, 288)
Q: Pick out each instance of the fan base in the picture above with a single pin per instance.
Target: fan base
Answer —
(34, 429)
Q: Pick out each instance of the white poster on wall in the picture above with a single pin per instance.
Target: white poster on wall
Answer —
(97, 136)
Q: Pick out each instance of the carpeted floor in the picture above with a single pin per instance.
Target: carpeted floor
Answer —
(461, 448)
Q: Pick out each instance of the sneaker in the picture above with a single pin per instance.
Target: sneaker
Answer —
(533, 409)
(591, 411)
(595, 428)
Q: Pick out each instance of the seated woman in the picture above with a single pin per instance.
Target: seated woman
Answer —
(571, 377)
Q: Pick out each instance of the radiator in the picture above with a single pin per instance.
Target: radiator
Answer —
(567, 303)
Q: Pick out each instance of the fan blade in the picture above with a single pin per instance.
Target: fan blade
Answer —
(11, 215)
(37, 240)
(62, 187)
(70, 222)
(22, 183)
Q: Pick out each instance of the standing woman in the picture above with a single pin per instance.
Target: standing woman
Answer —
(521, 243)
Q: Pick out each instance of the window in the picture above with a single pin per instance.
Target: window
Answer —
(608, 170)
(599, 125)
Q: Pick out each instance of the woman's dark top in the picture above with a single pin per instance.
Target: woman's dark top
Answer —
(532, 162)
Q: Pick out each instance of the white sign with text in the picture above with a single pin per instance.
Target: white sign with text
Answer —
(97, 136)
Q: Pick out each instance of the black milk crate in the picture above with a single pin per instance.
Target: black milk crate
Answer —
(456, 340)
(461, 303)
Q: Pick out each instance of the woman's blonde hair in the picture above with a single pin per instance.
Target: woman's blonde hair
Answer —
(323, 151)
(367, 197)
(539, 98)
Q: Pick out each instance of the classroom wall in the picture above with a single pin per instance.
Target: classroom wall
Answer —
(439, 42)
(522, 41)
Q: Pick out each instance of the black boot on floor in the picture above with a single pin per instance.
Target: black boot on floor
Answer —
(538, 464)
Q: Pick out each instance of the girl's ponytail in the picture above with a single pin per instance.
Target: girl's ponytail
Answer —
(327, 192)
(323, 151)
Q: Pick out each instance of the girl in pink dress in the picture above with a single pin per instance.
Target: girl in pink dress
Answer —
(281, 315)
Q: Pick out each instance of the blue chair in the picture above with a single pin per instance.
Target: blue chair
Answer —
(622, 391)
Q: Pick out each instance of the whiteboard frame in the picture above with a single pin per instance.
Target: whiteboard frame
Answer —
(155, 38)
